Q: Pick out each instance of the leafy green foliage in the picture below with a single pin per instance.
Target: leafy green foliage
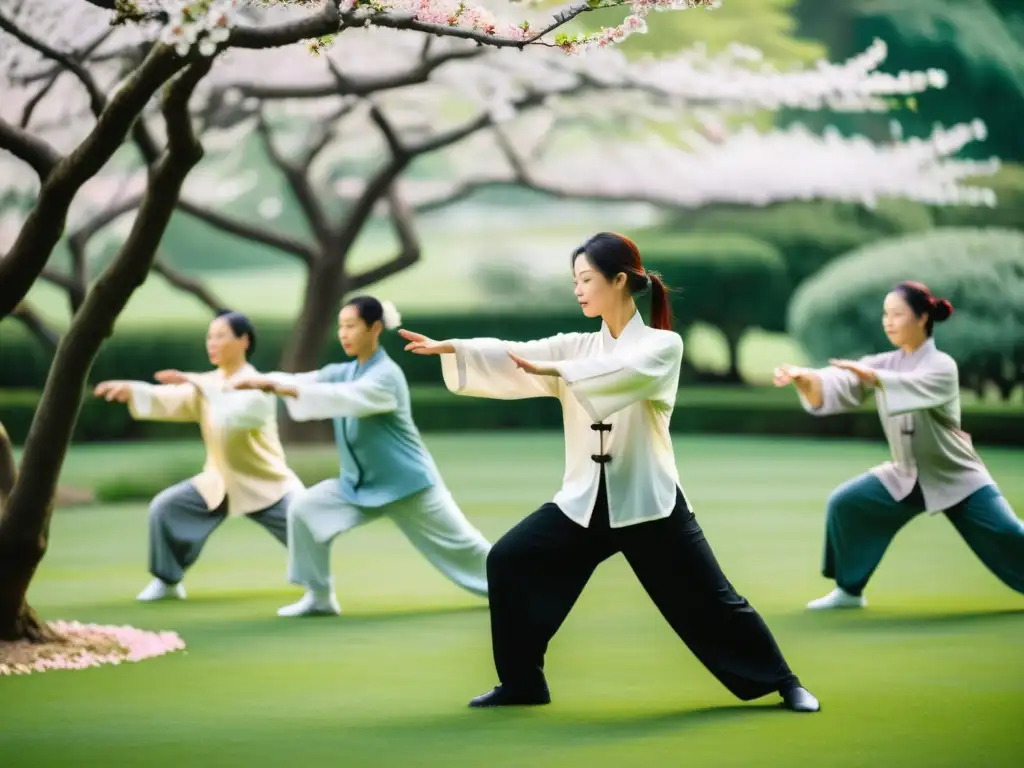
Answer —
(732, 282)
(808, 235)
(979, 43)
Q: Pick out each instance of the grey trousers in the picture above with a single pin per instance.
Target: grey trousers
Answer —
(180, 523)
(863, 518)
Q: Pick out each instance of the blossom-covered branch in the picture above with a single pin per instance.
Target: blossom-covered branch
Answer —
(210, 23)
(746, 167)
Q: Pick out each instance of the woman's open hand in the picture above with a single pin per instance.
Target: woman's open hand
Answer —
(421, 345)
(114, 391)
(785, 375)
(536, 370)
(862, 372)
(254, 382)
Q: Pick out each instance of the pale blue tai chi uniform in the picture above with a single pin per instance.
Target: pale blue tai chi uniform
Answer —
(385, 471)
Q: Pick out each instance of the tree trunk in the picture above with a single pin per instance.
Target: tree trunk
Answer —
(25, 525)
(8, 468)
(26, 625)
(732, 339)
(309, 336)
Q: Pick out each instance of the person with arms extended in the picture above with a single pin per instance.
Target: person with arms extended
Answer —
(385, 468)
(620, 492)
(934, 466)
(245, 471)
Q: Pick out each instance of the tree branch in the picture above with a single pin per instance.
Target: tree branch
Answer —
(35, 324)
(37, 153)
(187, 284)
(410, 249)
(394, 143)
(96, 98)
(330, 21)
(249, 231)
(60, 280)
(46, 221)
(300, 186)
(55, 72)
(326, 22)
(8, 468)
(342, 85)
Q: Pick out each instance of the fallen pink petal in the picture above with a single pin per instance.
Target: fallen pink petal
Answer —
(80, 646)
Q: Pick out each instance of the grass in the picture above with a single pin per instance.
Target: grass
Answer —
(929, 675)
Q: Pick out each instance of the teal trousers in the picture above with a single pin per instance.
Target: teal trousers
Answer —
(862, 519)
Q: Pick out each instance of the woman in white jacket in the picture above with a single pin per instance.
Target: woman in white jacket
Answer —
(620, 492)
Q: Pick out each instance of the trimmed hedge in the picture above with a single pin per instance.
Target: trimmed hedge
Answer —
(732, 282)
(838, 311)
(137, 353)
(715, 410)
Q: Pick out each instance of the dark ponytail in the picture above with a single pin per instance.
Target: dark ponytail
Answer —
(661, 307)
(611, 254)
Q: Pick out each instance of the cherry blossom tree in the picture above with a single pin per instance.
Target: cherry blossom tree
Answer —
(178, 43)
(345, 130)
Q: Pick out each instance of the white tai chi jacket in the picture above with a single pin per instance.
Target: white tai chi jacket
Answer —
(617, 398)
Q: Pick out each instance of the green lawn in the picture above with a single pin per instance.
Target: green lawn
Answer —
(929, 675)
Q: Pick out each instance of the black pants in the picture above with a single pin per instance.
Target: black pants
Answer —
(537, 571)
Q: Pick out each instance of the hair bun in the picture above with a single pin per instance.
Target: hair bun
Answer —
(943, 309)
(391, 319)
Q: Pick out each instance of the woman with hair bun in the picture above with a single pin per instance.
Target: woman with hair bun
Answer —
(385, 468)
(934, 466)
(620, 492)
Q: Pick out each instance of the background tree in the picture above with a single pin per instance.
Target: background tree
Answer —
(190, 37)
(545, 122)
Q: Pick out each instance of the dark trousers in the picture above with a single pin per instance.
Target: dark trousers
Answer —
(538, 569)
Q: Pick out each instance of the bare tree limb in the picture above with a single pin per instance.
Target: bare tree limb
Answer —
(250, 232)
(8, 468)
(42, 157)
(410, 249)
(55, 73)
(327, 22)
(394, 143)
(96, 99)
(46, 222)
(38, 327)
(185, 283)
(300, 186)
(343, 85)
(56, 278)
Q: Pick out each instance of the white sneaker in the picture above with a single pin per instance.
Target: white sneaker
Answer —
(837, 598)
(158, 589)
(313, 604)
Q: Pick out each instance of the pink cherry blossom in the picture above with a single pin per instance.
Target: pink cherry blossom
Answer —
(86, 645)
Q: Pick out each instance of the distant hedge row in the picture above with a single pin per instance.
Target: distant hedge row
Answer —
(136, 353)
(715, 410)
